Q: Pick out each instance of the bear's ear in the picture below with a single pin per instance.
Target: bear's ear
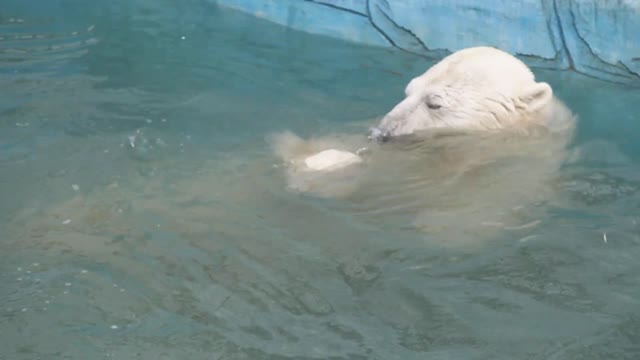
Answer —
(537, 96)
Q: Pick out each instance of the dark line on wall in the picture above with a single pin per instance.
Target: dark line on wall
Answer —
(556, 16)
(340, 8)
(592, 53)
(403, 28)
(549, 14)
(599, 78)
(392, 42)
(539, 57)
(604, 71)
(628, 69)
(387, 37)
(373, 24)
(562, 37)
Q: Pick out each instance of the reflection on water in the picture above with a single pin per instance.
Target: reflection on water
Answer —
(145, 215)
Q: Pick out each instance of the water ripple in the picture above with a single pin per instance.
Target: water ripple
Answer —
(23, 46)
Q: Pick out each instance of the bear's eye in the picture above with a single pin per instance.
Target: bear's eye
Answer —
(433, 106)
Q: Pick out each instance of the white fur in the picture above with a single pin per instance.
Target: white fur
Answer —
(479, 88)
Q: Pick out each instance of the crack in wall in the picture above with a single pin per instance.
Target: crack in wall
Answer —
(572, 50)
(593, 55)
(563, 39)
(559, 58)
(387, 37)
(402, 28)
(339, 8)
(637, 74)
(406, 45)
(394, 24)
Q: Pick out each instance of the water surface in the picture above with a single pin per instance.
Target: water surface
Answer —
(145, 216)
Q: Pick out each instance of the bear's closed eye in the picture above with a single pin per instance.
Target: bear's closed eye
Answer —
(433, 106)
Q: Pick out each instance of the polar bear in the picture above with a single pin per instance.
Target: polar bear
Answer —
(475, 89)
(468, 91)
(475, 136)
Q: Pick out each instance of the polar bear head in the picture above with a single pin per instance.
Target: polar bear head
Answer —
(480, 88)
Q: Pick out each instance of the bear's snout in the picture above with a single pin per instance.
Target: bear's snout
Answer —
(379, 135)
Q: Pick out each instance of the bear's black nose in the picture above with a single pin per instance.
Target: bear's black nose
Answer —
(379, 135)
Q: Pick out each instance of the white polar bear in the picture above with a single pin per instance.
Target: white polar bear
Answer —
(475, 136)
(475, 89)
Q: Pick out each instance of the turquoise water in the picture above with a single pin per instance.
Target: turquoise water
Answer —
(145, 216)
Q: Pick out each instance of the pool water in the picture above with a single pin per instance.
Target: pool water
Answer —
(144, 214)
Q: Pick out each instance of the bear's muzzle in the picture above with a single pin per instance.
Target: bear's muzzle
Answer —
(378, 135)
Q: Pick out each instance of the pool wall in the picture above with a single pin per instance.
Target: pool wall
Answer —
(599, 38)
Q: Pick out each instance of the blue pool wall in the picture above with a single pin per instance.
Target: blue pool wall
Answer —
(598, 38)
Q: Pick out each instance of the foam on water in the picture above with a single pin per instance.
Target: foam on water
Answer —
(146, 214)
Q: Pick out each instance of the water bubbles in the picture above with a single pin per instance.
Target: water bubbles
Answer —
(114, 327)
(149, 121)
(132, 140)
(67, 284)
(66, 222)
(19, 279)
(65, 292)
(35, 264)
(47, 302)
(75, 187)
(24, 310)
(142, 146)
(83, 271)
(163, 120)
(19, 269)
(183, 37)
(375, 133)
